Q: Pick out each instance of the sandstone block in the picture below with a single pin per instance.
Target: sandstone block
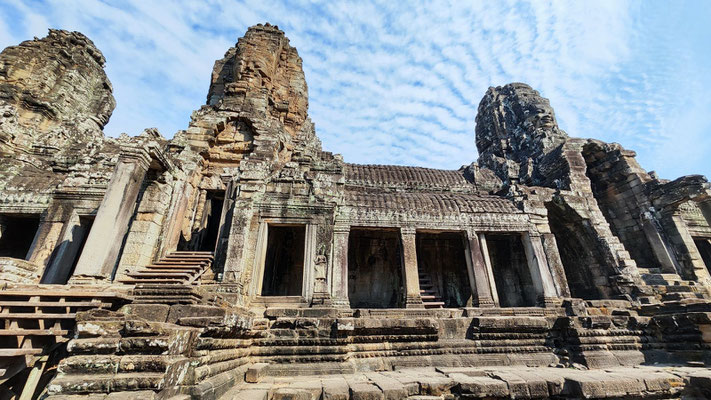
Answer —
(365, 391)
(335, 388)
(256, 372)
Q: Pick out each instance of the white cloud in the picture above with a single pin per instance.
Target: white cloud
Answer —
(400, 83)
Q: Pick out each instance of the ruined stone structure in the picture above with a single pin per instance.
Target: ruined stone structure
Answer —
(239, 255)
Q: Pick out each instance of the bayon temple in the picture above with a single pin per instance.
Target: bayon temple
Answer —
(240, 260)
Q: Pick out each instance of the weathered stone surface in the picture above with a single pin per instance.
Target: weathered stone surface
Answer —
(257, 265)
(54, 91)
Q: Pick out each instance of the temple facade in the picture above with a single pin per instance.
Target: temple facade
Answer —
(239, 252)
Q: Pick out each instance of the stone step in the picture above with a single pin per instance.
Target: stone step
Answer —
(187, 267)
(187, 259)
(152, 280)
(182, 263)
(91, 364)
(203, 253)
(680, 296)
(104, 383)
(161, 274)
(135, 345)
(167, 300)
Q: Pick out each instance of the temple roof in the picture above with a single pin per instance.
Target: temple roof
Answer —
(416, 178)
(429, 202)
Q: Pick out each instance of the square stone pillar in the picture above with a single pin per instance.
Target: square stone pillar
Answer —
(260, 257)
(182, 193)
(411, 273)
(538, 266)
(103, 245)
(67, 250)
(321, 295)
(339, 267)
(484, 249)
(50, 231)
(240, 227)
(662, 252)
(555, 264)
(482, 278)
(691, 264)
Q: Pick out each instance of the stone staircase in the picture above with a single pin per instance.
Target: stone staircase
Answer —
(167, 294)
(35, 321)
(671, 287)
(178, 267)
(428, 292)
(113, 352)
(200, 353)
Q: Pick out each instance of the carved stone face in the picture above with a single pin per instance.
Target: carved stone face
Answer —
(532, 111)
(515, 127)
(541, 118)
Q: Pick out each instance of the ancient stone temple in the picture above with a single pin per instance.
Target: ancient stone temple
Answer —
(239, 260)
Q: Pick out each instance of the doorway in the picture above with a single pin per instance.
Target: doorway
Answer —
(441, 260)
(512, 276)
(206, 231)
(375, 268)
(284, 262)
(704, 247)
(17, 232)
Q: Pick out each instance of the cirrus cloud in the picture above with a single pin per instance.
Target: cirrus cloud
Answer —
(400, 83)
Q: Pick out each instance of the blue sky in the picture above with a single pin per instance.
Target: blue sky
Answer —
(399, 83)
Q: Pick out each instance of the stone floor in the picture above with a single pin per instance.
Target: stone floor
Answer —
(644, 382)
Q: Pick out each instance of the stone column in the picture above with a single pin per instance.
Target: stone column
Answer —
(550, 246)
(239, 229)
(659, 246)
(411, 273)
(691, 264)
(65, 253)
(538, 266)
(182, 192)
(482, 283)
(307, 282)
(223, 232)
(260, 257)
(50, 231)
(339, 266)
(103, 245)
(484, 247)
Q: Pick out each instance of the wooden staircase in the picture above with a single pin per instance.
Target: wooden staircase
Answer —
(428, 292)
(34, 321)
(177, 268)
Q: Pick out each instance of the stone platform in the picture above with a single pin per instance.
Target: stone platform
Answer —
(644, 382)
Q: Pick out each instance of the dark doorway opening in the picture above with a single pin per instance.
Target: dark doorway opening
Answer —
(66, 254)
(284, 263)
(514, 284)
(213, 214)
(205, 233)
(16, 234)
(375, 268)
(579, 252)
(441, 260)
(704, 246)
